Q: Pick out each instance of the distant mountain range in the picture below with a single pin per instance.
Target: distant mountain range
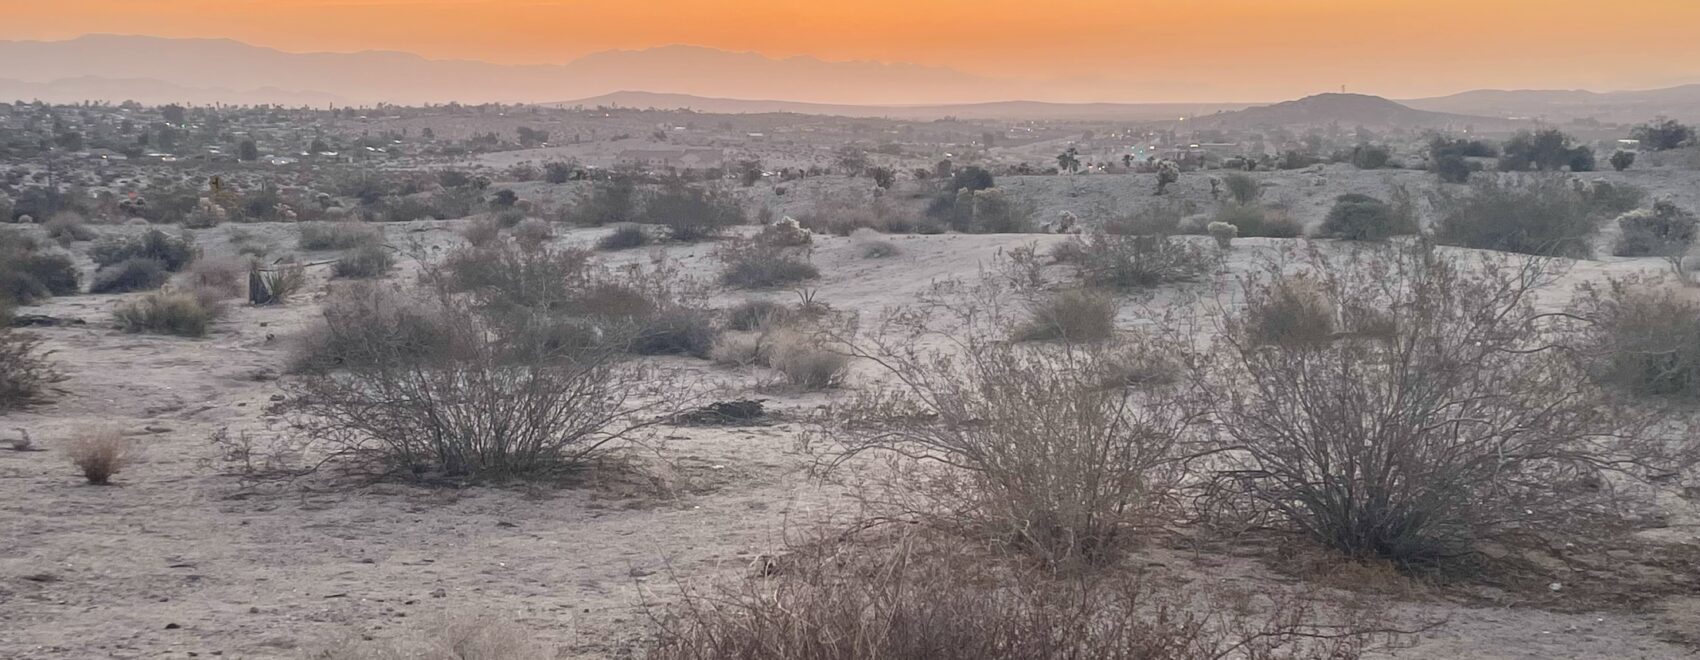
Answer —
(202, 71)
(1349, 110)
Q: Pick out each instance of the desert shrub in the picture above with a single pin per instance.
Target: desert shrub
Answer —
(345, 235)
(757, 313)
(1644, 338)
(509, 218)
(1363, 218)
(1242, 189)
(1541, 216)
(736, 348)
(364, 261)
(364, 323)
(1128, 262)
(1548, 150)
(624, 237)
(915, 597)
(100, 454)
(136, 274)
(168, 313)
(1155, 219)
(1291, 311)
(1454, 429)
(68, 227)
(1622, 160)
(481, 232)
(1371, 157)
(878, 249)
(1666, 230)
(692, 213)
(991, 211)
(808, 364)
(503, 275)
(533, 232)
(1454, 169)
(1072, 316)
(673, 331)
(225, 277)
(1255, 220)
(1663, 135)
(171, 253)
(28, 274)
(758, 264)
(488, 404)
(26, 376)
(606, 203)
(1608, 199)
(1223, 233)
(1020, 444)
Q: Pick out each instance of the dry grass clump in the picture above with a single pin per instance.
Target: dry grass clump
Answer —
(876, 249)
(366, 261)
(343, 235)
(1075, 315)
(759, 264)
(170, 313)
(758, 313)
(1131, 262)
(806, 362)
(532, 232)
(1254, 220)
(915, 598)
(100, 454)
(1462, 426)
(481, 232)
(25, 373)
(624, 237)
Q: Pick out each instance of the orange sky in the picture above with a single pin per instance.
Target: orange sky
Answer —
(1139, 49)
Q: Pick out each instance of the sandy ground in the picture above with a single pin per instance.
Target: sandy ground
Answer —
(179, 560)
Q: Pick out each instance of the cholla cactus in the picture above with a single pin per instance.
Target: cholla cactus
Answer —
(1224, 233)
(1168, 172)
(786, 233)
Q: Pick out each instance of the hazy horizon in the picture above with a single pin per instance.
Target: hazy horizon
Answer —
(1092, 51)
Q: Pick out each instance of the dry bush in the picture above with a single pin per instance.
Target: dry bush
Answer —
(757, 314)
(100, 454)
(227, 277)
(25, 374)
(138, 274)
(364, 323)
(1292, 310)
(692, 213)
(67, 227)
(1242, 189)
(172, 253)
(758, 264)
(1463, 425)
(847, 214)
(450, 639)
(1074, 316)
(876, 249)
(1666, 230)
(342, 235)
(1020, 444)
(1540, 216)
(1255, 220)
(481, 232)
(1644, 337)
(1129, 262)
(503, 275)
(915, 599)
(533, 232)
(492, 400)
(624, 237)
(28, 274)
(170, 313)
(1363, 218)
(366, 261)
(1153, 220)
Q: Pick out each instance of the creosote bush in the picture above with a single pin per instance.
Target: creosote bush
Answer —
(1020, 444)
(1130, 262)
(100, 454)
(28, 274)
(692, 213)
(624, 237)
(1644, 337)
(760, 264)
(344, 235)
(1539, 216)
(1364, 218)
(1461, 425)
(1290, 311)
(137, 274)
(172, 253)
(364, 262)
(1666, 230)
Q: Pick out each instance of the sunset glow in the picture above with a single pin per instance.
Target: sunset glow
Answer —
(1122, 50)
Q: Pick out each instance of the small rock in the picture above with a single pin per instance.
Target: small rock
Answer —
(439, 593)
(172, 626)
